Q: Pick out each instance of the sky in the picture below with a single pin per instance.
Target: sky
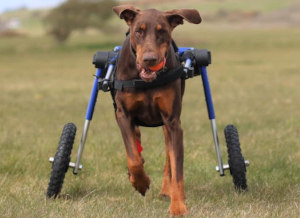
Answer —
(14, 4)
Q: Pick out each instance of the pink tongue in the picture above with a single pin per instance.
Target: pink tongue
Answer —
(147, 75)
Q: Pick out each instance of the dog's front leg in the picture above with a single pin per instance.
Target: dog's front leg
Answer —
(137, 176)
(167, 176)
(175, 134)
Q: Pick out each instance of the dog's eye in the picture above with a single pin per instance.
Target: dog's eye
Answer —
(139, 32)
(162, 35)
(161, 31)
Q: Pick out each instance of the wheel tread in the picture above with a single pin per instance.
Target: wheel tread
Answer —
(61, 160)
(235, 159)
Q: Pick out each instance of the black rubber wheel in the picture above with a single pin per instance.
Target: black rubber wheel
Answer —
(236, 160)
(61, 161)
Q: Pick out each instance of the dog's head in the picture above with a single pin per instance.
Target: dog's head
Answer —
(150, 35)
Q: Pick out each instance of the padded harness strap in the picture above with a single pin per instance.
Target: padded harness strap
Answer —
(162, 79)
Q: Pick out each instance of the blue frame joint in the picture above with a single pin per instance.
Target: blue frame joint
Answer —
(181, 50)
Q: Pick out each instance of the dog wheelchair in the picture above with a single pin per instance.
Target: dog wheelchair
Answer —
(194, 63)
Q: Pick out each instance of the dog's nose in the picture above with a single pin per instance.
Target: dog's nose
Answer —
(150, 58)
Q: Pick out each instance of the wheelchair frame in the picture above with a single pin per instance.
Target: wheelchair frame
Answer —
(195, 63)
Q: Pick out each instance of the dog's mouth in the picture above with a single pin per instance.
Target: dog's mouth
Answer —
(147, 75)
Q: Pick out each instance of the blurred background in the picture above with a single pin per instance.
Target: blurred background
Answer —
(68, 21)
(46, 75)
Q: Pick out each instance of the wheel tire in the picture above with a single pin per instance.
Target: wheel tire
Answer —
(235, 158)
(61, 160)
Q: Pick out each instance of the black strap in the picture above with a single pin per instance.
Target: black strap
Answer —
(175, 47)
(141, 123)
(162, 79)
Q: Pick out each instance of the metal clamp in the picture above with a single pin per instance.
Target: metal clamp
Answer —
(71, 164)
(227, 167)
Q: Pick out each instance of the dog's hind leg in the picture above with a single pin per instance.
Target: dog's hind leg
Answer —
(167, 175)
(137, 176)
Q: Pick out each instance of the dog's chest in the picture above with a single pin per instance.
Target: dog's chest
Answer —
(148, 105)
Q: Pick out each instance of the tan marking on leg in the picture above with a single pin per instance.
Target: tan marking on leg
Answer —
(166, 184)
(137, 176)
(177, 206)
(175, 133)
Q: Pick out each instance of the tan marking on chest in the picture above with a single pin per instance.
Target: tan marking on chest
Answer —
(165, 101)
(133, 100)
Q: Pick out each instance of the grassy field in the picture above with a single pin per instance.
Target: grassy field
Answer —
(255, 85)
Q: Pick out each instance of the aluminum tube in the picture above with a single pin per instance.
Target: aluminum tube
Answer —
(108, 75)
(217, 146)
(188, 63)
(81, 146)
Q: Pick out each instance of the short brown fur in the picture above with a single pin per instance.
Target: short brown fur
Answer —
(150, 38)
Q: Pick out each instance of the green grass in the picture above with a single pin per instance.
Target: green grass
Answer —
(255, 85)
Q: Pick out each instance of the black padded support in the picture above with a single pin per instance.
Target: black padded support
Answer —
(163, 79)
(202, 57)
(102, 58)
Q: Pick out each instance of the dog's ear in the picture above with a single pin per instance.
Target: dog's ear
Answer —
(175, 17)
(126, 12)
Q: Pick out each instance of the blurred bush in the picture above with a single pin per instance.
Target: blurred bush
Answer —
(77, 14)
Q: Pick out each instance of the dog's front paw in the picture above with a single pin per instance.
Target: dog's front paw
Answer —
(164, 196)
(140, 183)
(165, 192)
(178, 208)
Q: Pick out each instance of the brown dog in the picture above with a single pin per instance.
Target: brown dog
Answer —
(146, 52)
